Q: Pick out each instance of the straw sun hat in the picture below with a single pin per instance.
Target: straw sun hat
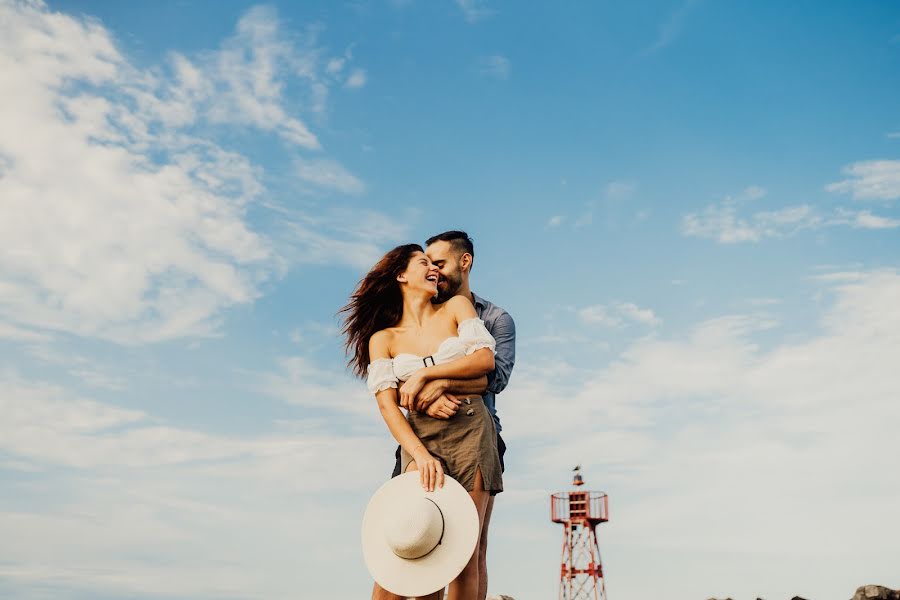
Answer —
(416, 542)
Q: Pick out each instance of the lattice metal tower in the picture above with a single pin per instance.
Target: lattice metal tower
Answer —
(579, 511)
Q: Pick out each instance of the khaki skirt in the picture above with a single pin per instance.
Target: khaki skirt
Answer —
(465, 443)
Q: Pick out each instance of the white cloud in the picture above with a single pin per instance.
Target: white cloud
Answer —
(496, 66)
(712, 437)
(870, 180)
(475, 10)
(11, 332)
(120, 505)
(864, 219)
(335, 65)
(641, 315)
(356, 80)
(616, 314)
(555, 221)
(585, 220)
(118, 221)
(599, 314)
(671, 28)
(301, 382)
(724, 222)
(618, 191)
(249, 67)
(338, 236)
(867, 220)
(327, 173)
(753, 192)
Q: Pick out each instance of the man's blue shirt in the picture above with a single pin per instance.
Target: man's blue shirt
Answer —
(501, 326)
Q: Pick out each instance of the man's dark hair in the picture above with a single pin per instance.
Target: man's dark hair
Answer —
(459, 241)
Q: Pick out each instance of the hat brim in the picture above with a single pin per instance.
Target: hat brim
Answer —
(430, 573)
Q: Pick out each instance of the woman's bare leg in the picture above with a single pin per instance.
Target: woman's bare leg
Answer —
(438, 595)
(379, 593)
(465, 586)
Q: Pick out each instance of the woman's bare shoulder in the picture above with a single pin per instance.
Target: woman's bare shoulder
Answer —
(460, 304)
(460, 307)
(380, 344)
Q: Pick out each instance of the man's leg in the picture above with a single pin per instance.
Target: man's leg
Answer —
(397, 463)
(482, 552)
(483, 542)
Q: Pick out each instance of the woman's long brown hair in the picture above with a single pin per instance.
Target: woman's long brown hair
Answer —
(375, 304)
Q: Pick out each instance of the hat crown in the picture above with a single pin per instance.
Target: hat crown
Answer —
(415, 529)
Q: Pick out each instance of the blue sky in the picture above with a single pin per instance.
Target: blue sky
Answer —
(690, 208)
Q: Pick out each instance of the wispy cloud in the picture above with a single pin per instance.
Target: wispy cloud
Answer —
(619, 191)
(870, 180)
(329, 174)
(119, 221)
(496, 66)
(556, 221)
(614, 315)
(863, 219)
(726, 222)
(475, 10)
(11, 332)
(337, 236)
(671, 28)
(356, 80)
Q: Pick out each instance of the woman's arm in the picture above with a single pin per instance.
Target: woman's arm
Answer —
(431, 472)
(474, 365)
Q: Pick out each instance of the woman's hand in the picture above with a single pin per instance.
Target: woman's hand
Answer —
(431, 472)
(411, 388)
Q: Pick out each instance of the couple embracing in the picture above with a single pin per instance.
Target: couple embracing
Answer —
(427, 344)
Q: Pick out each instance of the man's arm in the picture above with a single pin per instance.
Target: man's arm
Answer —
(504, 332)
(477, 385)
(438, 387)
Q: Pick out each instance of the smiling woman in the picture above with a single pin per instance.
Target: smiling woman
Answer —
(376, 304)
(402, 340)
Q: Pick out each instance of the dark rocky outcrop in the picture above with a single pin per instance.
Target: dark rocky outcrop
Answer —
(865, 592)
(876, 592)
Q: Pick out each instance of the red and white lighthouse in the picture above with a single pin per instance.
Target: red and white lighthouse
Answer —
(580, 511)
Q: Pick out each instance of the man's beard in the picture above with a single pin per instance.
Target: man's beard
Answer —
(448, 292)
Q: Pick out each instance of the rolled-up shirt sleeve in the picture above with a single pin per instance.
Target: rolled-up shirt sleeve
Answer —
(504, 333)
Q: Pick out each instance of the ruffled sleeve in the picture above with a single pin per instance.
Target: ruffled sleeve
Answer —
(475, 336)
(380, 375)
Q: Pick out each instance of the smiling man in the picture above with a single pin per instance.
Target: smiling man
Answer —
(453, 253)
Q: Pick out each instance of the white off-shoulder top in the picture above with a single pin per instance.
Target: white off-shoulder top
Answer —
(472, 335)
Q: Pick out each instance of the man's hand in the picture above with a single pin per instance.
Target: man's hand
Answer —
(433, 390)
(444, 407)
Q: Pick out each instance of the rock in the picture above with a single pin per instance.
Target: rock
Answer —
(876, 592)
